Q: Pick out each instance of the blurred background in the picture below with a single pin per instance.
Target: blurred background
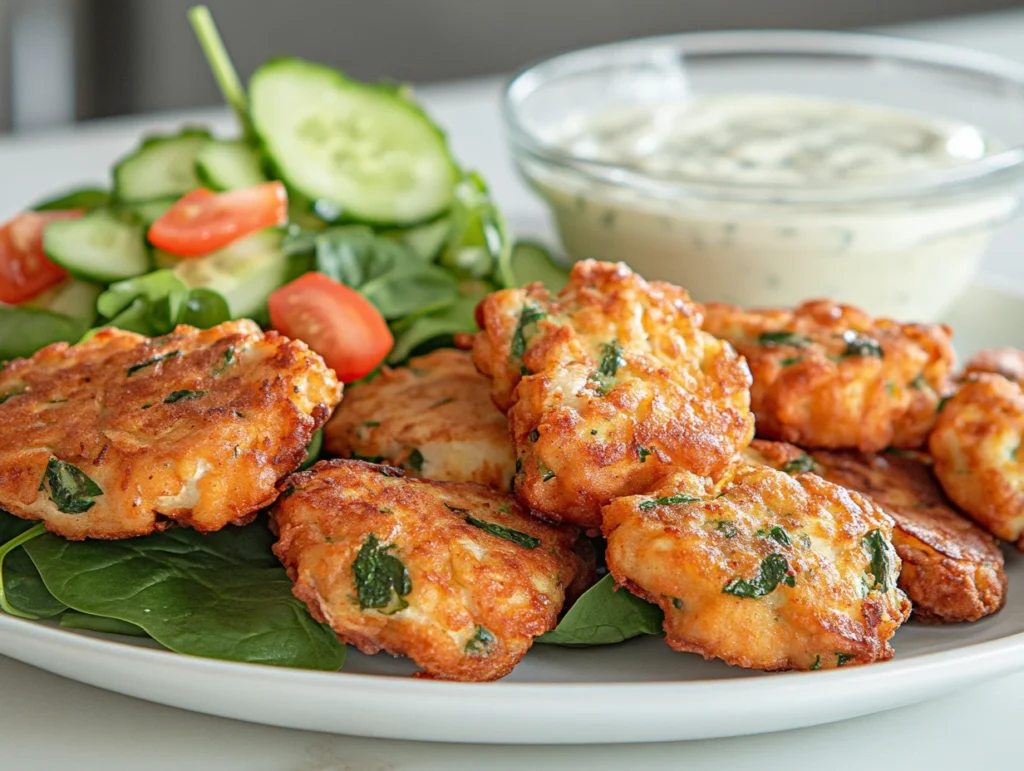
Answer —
(68, 60)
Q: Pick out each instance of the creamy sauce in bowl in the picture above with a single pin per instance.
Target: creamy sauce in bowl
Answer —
(750, 233)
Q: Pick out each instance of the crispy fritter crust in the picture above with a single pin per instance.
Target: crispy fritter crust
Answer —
(826, 385)
(975, 446)
(1008, 362)
(952, 569)
(623, 388)
(688, 556)
(463, 578)
(438, 406)
(196, 436)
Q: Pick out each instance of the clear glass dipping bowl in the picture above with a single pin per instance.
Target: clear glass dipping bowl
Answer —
(902, 247)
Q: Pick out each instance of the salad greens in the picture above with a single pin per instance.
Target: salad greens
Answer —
(224, 595)
(221, 595)
(604, 615)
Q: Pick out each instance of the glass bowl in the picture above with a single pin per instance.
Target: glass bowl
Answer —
(903, 246)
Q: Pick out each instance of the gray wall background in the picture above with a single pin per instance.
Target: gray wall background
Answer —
(140, 55)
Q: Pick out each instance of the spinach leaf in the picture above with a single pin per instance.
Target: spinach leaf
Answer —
(220, 595)
(604, 615)
(152, 286)
(726, 527)
(861, 345)
(481, 642)
(415, 461)
(204, 308)
(801, 465)
(517, 537)
(150, 362)
(184, 396)
(23, 591)
(89, 623)
(23, 330)
(880, 551)
(668, 500)
(773, 571)
(70, 489)
(784, 337)
(611, 360)
(529, 315)
(382, 582)
(435, 328)
(388, 273)
(87, 198)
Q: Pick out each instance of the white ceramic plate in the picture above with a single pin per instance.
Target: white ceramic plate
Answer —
(639, 691)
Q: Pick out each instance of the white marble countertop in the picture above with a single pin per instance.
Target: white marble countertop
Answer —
(47, 722)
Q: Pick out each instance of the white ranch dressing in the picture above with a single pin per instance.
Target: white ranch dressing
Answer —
(908, 259)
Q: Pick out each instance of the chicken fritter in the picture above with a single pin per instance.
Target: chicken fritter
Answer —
(762, 570)
(830, 376)
(610, 385)
(1008, 362)
(123, 435)
(453, 575)
(952, 569)
(975, 445)
(434, 418)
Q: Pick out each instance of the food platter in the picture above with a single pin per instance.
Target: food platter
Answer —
(632, 692)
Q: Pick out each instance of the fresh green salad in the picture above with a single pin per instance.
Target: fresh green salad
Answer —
(328, 177)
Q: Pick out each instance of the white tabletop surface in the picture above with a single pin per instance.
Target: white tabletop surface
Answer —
(47, 722)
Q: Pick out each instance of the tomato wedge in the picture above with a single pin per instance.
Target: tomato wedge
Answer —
(25, 270)
(203, 221)
(335, 321)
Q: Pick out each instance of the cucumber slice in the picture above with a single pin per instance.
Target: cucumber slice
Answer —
(87, 198)
(150, 211)
(70, 297)
(244, 274)
(364, 149)
(163, 167)
(98, 247)
(228, 165)
(532, 262)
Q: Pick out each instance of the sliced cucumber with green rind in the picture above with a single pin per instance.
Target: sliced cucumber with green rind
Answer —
(365, 149)
(149, 212)
(244, 274)
(100, 247)
(70, 297)
(228, 165)
(531, 262)
(163, 167)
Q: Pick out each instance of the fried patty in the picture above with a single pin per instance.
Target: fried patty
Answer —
(123, 435)
(829, 376)
(976, 446)
(952, 569)
(453, 575)
(1008, 362)
(609, 386)
(434, 418)
(762, 570)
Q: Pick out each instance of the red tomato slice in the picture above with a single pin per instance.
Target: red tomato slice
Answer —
(25, 270)
(335, 321)
(203, 221)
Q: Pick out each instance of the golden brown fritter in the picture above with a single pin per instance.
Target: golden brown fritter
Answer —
(763, 570)
(952, 569)
(1008, 362)
(828, 375)
(434, 418)
(975, 445)
(123, 435)
(610, 385)
(453, 575)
